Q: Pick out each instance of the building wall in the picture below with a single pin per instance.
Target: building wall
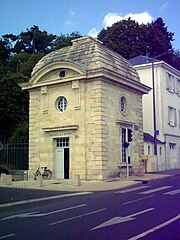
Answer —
(93, 106)
(85, 137)
(149, 150)
(167, 95)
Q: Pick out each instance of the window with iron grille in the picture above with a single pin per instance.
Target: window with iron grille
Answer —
(62, 142)
(123, 148)
(61, 104)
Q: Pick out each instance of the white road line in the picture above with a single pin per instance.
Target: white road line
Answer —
(155, 190)
(137, 200)
(132, 189)
(138, 213)
(43, 199)
(76, 217)
(173, 192)
(155, 228)
(37, 214)
(7, 236)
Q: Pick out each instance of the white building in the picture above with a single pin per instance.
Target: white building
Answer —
(167, 99)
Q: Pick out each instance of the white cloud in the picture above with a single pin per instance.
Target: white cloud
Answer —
(72, 17)
(71, 12)
(111, 18)
(68, 22)
(164, 6)
(93, 32)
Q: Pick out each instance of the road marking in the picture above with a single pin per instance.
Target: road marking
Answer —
(43, 199)
(173, 192)
(132, 189)
(140, 199)
(36, 214)
(155, 228)
(7, 236)
(117, 220)
(155, 190)
(76, 217)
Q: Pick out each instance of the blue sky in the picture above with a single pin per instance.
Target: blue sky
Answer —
(86, 17)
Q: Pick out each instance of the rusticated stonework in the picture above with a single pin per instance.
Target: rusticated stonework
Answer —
(85, 136)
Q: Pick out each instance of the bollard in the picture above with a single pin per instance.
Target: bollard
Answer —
(25, 175)
(39, 181)
(77, 181)
(6, 179)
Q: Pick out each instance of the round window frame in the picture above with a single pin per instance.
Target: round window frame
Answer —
(58, 105)
(124, 110)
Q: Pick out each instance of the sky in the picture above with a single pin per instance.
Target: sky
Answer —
(88, 17)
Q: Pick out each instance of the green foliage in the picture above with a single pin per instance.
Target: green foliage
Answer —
(130, 39)
(4, 52)
(176, 59)
(125, 37)
(13, 104)
(32, 41)
(65, 40)
(159, 39)
(18, 56)
(24, 62)
(21, 133)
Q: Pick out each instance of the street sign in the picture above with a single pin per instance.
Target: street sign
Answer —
(156, 132)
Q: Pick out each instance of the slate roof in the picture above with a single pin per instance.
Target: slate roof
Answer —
(149, 138)
(141, 60)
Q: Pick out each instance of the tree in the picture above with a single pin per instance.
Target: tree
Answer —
(13, 104)
(18, 56)
(131, 39)
(159, 39)
(24, 62)
(4, 52)
(32, 41)
(176, 59)
(65, 40)
(126, 37)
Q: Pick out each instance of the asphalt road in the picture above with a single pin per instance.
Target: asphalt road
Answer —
(142, 211)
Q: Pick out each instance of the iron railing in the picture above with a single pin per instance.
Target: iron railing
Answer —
(14, 156)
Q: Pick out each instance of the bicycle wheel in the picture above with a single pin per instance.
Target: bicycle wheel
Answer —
(47, 175)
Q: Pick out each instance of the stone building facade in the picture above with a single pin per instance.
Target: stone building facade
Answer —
(83, 100)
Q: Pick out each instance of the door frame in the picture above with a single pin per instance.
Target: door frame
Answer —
(62, 144)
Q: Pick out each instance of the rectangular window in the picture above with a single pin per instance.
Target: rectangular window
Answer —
(172, 118)
(149, 150)
(123, 148)
(178, 86)
(62, 142)
(170, 83)
(160, 151)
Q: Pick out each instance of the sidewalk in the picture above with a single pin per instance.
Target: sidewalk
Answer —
(68, 185)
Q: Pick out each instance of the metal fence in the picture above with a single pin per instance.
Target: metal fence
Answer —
(14, 156)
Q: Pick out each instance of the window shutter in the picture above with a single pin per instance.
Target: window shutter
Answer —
(167, 81)
(169, 112)
(175, 117)
(173, 84)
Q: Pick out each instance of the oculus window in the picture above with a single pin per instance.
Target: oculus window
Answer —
(123, 104)
(61, 104)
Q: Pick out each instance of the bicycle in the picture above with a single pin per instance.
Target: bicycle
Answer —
(138, 171)
(46, 175)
